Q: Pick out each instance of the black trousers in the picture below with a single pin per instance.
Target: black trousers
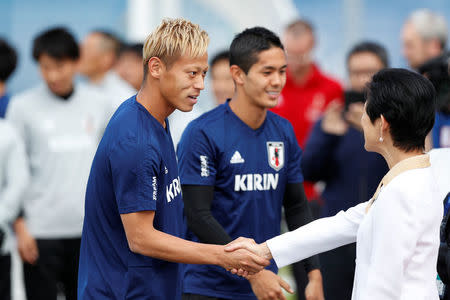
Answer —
(56, 270)
(198, 297)
(5, 277)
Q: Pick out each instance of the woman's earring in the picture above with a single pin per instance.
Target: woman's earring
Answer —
(381, 139)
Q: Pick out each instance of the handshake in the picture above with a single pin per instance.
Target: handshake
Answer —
(245, 257)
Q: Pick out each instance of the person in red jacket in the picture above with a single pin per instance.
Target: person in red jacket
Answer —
(305, 96)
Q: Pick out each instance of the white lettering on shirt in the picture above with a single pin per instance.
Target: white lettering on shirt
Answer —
(255, 182)
(173, 190)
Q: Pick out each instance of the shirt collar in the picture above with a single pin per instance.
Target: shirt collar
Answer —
(415, 162)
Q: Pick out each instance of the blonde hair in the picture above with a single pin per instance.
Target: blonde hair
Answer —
(174, 38)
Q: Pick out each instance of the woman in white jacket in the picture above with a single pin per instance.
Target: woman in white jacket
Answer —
(397, 230)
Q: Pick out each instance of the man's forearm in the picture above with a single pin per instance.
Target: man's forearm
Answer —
(315, 275)
(298, 214)
(164, 246)
(197, 207)
(144, 239)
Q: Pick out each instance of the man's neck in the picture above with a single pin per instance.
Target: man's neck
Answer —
(300, 75)
(150, 97)
(66, 95)
(2, 89)
(249, 113)
(97, 78)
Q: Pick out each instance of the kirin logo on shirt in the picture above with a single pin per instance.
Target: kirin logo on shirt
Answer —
(275, 153)
(173, 190)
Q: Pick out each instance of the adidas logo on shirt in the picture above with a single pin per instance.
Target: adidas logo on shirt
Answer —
(237, 158)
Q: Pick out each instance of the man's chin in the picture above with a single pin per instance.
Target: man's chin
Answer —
(185, 108)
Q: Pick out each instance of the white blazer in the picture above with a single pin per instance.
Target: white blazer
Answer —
(397, 239)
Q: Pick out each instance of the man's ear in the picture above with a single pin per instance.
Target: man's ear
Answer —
(155, 67)
(238, 75)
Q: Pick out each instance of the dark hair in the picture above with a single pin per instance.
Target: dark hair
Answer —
(248, 44)
(222, 55)
(57, 43)
(371, 47)
(110, 41)
(8, 60)
(407, 101)
(136, 49)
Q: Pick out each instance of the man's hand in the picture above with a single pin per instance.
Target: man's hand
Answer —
(249, 244)
(333, 122)
(314, 289)
(354, 114)
(244, 260)
(260, 250)
(266, 285)
(26, 244)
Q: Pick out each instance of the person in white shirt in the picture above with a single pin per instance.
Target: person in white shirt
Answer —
(397, 230)
(98, 56)
(13, 181)
(61, 124)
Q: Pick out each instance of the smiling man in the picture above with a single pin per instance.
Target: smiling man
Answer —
(130, 247)
(239, 165)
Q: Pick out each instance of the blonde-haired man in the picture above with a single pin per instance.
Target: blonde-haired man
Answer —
(130, 245)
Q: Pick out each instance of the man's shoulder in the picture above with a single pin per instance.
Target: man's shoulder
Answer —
(326, 80)
(209, 121)
(29, 96)
(279, 121)
(7, 130)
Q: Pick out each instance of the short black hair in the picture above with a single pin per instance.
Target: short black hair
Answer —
(135, 48)
(371, 47)
(57, 43)
(8, 60)
(110, 40)
(222, 55)
(407, 101)
(246, 46)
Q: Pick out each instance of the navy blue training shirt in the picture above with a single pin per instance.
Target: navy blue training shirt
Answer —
(134, 169)
(249, 170)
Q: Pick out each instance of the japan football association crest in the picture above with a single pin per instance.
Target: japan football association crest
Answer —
(275, 153)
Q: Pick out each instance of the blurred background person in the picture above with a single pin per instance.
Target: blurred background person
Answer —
(220, 75)
(437, 70)
(99, 53)
(304, 98)
(8, 62)
(61, 123)
(335, 154)
(307, 91)
(424, 36)
(129, 64)
(13, 181)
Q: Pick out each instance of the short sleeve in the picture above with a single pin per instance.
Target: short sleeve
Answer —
(135, 173)
(196, 158)
(295, 174)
